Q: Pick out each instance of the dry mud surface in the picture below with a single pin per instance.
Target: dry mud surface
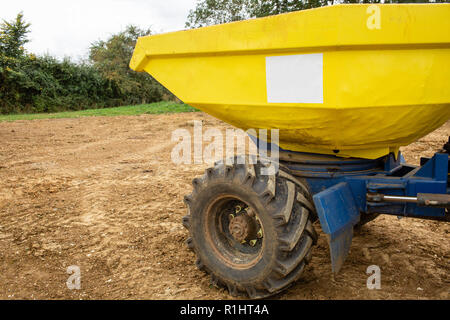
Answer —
(102, 193)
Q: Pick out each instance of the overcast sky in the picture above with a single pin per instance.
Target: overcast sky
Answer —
(67, 27)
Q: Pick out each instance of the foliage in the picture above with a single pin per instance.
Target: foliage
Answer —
(111, 58)
(46, 84)
(262, 8)
(13, 37)
(209, 12)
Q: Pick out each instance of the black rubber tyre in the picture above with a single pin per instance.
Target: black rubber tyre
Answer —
(279, 206)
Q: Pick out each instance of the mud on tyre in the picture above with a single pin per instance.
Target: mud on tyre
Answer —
(251, 232)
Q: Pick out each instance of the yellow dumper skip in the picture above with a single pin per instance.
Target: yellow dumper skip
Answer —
(351, 80)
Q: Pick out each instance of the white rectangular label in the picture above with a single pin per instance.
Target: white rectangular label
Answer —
(295, 78)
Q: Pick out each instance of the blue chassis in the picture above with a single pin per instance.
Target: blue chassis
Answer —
(340, 187)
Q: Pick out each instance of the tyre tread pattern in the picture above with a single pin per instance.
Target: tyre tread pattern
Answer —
(295, 236)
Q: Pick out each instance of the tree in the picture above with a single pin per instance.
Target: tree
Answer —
(46, 84)
(262, 8)
(209, 12)
(13, 37)
(111, 58)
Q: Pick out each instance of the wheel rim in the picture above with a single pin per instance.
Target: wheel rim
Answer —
(234, 231)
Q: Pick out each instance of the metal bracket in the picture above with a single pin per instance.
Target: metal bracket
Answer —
(338, 214)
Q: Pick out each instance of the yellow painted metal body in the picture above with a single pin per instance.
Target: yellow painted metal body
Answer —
(386, 74)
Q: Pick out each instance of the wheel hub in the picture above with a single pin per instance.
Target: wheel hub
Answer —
(242, 228)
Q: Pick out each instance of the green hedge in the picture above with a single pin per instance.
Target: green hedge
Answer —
(30, 84)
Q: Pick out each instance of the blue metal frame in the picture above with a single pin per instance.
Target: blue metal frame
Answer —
(341, 197)
(340, 189)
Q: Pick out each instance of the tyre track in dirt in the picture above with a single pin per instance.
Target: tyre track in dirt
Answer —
(103, 194)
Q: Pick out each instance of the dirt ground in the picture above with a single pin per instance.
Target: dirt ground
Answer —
(102, 193)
